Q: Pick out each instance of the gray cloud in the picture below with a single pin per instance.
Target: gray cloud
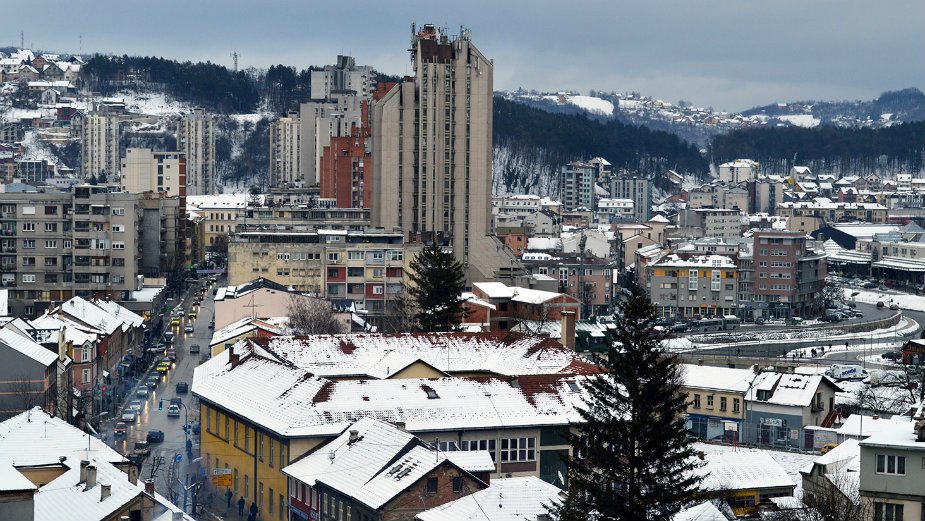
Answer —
(728, 54)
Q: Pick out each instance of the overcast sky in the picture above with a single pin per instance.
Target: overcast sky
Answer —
(729, 54)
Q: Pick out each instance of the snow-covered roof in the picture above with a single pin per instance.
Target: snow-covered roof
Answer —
(507, 499)
(862, 425)
(292, 402)
(900, 263)
(862, 230)
(127, 316)
(500, 290)
(697, 261)
(898, 434)
(92, 315)
(544, 243)
(705, 511)
(11, 480)
(373, 469)
(36, 438)
(718, 378)
(740, 163)
(381, 356)
(742, 470)
(659, 218)
(242, 326)
(788, 389)
(26, 346)
(218, 201)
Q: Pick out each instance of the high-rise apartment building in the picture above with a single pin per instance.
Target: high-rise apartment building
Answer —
(285, 145)
(345, 76)
(56, 245)
(432, 153)
(144, 170)
(99, 145)
(639, 189)
(344, 169)
(320, 120)
(576, 185)
(787, 278)
(196, 141)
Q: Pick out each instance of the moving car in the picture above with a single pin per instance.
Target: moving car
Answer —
(846, 372)
(869, 285)
(175, 321)
(182, 387)
(142, 392)
(129, 417)
(880, 304)
(142, 448)
(120, 429)
(163, 368)
(894, 306)
(192, 314)
(194, 349)
(135, 406)
(155, 436)
(173, 411)
(172, 354)
(151, 383)
(169, 337)
(188, 328)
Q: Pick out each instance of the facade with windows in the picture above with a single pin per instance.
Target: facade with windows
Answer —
(715, 401)
(893, 471)
(786, 278)
(693, 285)
(367, 269)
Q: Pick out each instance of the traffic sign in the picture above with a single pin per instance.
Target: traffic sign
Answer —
(179, 458)
(222, 477)
(221, 472)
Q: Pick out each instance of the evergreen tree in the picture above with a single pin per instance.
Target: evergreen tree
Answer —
(634, 460)
(438, 281)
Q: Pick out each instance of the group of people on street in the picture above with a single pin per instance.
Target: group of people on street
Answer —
(251, 512)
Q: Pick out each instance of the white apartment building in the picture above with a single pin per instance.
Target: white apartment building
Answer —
(144, 170)
(196, 141)
(99, 145)
(319, 121)
(346, 75)
(285, 150)
(739, 171)
(609, 210)
(519, 205)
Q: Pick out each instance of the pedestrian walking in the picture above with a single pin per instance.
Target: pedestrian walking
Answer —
(253, 512)
(241, 503)
(228, 496)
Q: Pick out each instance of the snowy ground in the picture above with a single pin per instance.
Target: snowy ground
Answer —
(35, 149)
(791, 462)
(589, 103)
(896, 400)
(800, 120)
(904, 300)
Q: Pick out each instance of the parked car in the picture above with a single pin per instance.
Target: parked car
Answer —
(182, 387)
(142, 392)
(129, 417)
(891, 355)
(869, 285)
(155, 436)
(679, 327)
(142, 448)
(827, 447)
(759, 321)
(194, 349)
(120, 429)
(173, 411)
(880, 304)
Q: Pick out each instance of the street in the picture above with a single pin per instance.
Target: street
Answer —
(151, 418)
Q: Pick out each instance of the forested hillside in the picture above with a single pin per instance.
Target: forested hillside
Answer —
(833, 150)
(531, 144)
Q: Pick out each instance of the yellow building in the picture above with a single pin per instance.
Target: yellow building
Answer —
(716, 401)
(216, 216)
(259, 413)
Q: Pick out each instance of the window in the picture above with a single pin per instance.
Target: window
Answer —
(28, 244)
(209, 420)
(696, 401)
(709, 401)
(888, 512)
(735, 405)
(85, 376)
(51, 227)
(457, 484)
(28, 227)
(260, 449)
(377, 290)
(118, 245)
(51, 210)
(52, 244)
(227, 427)
(518, 449)
(722, 403)
(282, 256)
(271, 501)
(118, 211)
(396, 255)
(333, 257)
(118, 228)
(431, 486)
(692, 280)
(28, 278)
(488, 445)
(355, 255)
(51, 261)
(892, 465)
(271, 458)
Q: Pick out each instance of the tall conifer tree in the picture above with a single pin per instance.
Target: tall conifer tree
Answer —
(438, 281)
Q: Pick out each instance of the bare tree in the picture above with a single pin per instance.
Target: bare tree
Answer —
(26, 392)
(832, 497)
(310, 316)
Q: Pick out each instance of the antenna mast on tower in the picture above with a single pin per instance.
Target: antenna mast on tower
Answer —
(234, 57)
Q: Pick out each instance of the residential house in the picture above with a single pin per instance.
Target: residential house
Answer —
(743, 479)
(374, 471)
(513, 304)
(716, 401)
(693, 285)
(28, 375)
(892, 472)
(506, 499)
(781, 406)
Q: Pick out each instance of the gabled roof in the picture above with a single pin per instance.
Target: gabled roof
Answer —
(507, 499)
(27, 347)
(789, 389)
(743, 470)
(378, 465)
(241, 327)
(719, 378)
(229, 292)
(91, 315)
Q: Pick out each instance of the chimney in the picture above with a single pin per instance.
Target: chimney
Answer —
(105, 491)
(83, 470)
(568, 329)
(91, 477)
(354, 436)
(233, 358)
(149, 486)
(400, 426)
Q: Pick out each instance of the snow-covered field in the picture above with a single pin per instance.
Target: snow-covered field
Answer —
(589, 103)
(800, 120)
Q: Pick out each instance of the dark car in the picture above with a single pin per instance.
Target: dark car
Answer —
(194, 349)
(155, 436)
(679, 327)
(182, 387)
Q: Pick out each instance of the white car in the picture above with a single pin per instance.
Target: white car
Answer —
(129, 417)
(135, 406)
(142, 392)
